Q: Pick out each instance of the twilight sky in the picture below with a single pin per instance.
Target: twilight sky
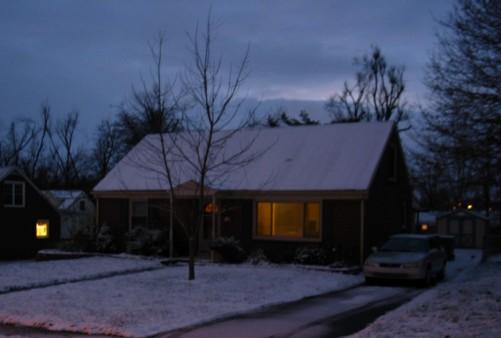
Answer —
(86, 55)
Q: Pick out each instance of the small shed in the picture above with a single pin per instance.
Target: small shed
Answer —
(468, 227)
(76, 208)
(28, 220)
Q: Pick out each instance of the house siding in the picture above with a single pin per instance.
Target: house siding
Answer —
(17, 225)
(388, 209)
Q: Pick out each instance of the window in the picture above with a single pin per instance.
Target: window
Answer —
(82, 205)
(14, 194)
(42, 229)
(139, 214)
(288, 220)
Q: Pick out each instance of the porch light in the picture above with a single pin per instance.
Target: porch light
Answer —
(42, 229)
(211, 208)
(469, 206)
(424, 227)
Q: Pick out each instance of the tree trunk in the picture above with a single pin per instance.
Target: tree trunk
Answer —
(191, 262)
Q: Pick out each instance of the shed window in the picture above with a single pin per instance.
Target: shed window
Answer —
(42, 229)
(288, 220)
(14, 194)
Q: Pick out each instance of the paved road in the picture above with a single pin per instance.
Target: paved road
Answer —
(330, 315)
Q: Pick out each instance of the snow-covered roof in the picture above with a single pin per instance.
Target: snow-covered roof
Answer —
(336, 157)
(5, 171)
(63, 199)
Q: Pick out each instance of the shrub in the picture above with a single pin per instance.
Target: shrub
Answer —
(229, 249)
(258, 257)
(143, 241)
(313, 256)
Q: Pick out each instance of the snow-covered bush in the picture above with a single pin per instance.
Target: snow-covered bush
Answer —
(143, 241)
(258, 257)
(105, 240)
(229, 249)
(313, 256)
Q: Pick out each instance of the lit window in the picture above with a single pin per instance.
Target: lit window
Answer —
(42, 229)
(13, 194)
(288, 220)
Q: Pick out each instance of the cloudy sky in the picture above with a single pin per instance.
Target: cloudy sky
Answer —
(87, 55)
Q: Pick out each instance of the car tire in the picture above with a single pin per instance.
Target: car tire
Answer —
(441, 273)
(428, 278)
(370, 281)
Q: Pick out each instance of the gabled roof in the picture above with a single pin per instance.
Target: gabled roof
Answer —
(5, 171)
(336, 157)
(64, 199)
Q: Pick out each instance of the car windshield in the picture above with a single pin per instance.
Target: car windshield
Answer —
(406, 245)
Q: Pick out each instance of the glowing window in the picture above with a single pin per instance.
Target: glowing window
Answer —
(42, 229)
(288, 220)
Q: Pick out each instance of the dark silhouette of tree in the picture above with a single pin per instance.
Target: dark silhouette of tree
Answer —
(463, 121)
(375, 95)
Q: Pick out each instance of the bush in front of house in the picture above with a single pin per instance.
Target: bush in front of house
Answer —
(258, 257)
(229, 249)
(144, 241)
(313, 256)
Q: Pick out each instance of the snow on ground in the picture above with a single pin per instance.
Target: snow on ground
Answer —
(466, 306)
(20, 275)
(151, 302)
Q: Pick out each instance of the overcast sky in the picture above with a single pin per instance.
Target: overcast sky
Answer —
(86, 55)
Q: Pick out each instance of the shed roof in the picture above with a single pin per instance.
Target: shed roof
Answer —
(64, 199)
(336, 157)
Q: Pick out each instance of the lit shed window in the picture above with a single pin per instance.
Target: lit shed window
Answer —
(42, 229)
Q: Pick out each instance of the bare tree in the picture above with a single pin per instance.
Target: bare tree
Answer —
(153, 108)
(376, 94)
(106, 151)
(463, 120)
(212, 123)
(69, 159)
(16, 141)
(38, 144)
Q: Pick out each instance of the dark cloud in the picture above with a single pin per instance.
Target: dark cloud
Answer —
(86, 55)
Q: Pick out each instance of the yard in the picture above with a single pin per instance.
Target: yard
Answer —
(145, 303)
(468, 306)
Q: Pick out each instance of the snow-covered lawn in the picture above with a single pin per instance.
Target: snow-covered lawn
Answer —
(466, 306)
(151, 302)
(20, 275)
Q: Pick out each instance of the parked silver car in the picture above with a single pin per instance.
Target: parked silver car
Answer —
(407, 256)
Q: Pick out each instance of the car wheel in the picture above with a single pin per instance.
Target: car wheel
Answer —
(370, 281)
(428, 278)
(441, 273)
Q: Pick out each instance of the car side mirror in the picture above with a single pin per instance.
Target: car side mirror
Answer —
(374, 249)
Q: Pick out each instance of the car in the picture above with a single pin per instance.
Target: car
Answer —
(407, 257)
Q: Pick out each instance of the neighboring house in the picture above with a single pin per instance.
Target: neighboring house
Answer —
(468, 227)
(426, 221)
(339, 186)
(28, 221)
(77, 210)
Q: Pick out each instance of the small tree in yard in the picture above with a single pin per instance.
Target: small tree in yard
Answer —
(211, 124)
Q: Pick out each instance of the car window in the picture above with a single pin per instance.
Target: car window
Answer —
(406, 245)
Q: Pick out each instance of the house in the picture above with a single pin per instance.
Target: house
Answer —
(343, 187)
(28, 221)
(468, 227)
(77, 210)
